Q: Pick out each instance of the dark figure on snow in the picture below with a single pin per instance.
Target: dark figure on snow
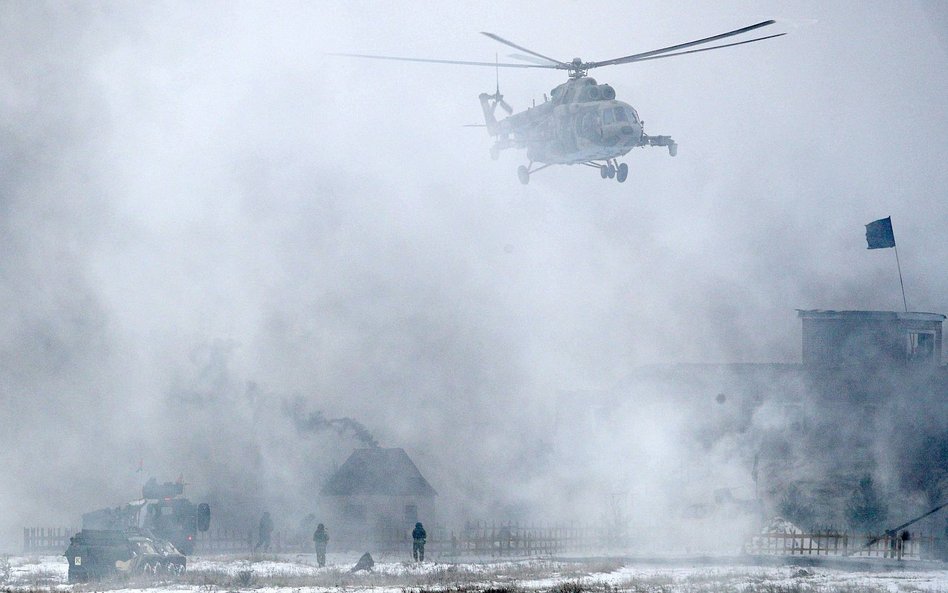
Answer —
(265, 529)
(320, 538)
(364, 563)
(418, 539)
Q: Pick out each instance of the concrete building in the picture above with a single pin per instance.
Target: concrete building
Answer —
(835, 338)
(869, 398)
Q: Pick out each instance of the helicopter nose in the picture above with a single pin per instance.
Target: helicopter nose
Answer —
(631, 134)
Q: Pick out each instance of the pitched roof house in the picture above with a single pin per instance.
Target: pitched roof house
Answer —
(376, 494)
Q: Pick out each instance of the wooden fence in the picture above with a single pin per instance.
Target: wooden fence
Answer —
(46, 540)
(515, 539)
(487, 539)
(493, 539)
(917, 547)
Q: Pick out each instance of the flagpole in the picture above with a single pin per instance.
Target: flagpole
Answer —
(902, 284)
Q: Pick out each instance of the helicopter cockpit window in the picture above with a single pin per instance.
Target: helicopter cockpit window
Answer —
(621, 115)
(589, 125)
(608, 117)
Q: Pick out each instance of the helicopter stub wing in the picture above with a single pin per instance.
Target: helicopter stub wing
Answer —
(661, 141)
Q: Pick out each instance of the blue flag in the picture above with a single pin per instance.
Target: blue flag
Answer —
(879, 233)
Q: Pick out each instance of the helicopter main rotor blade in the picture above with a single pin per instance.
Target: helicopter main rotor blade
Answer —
(530, 59)
(560, 64)
(431, 61)
(655, 52)
(694, 51)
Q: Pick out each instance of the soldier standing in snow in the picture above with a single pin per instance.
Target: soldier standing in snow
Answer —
(265, 529)
(320, 538)
(418, 539)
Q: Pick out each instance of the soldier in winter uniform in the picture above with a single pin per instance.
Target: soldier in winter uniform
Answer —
(418, 539)
(265, 529)
(320, 539)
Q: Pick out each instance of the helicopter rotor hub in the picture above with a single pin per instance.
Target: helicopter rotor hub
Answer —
(577, 68)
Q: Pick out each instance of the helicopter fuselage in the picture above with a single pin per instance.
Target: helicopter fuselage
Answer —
(581, 132)
(582, 122)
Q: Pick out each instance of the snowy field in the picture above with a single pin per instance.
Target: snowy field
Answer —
(298, 574)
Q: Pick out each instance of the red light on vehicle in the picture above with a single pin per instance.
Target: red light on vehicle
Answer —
(190, 538)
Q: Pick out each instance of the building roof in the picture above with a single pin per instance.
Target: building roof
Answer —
(378, 471)
(869, 315)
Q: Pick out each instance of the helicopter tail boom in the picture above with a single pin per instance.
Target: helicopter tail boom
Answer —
(488, 105)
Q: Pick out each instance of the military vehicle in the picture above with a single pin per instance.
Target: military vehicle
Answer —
(95, 554)
(162, 510)
(581, 122)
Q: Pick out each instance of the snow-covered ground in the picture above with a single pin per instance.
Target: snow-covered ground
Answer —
(298, 574)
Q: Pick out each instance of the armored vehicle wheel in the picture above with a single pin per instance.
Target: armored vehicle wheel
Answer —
(611, 171)
(524, 174)
(622, 173)
(604, 171)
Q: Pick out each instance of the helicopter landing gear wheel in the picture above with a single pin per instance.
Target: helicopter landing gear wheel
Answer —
(604, 171)
(524, 174)
(622, 173)
(672, 149)
(610, 171)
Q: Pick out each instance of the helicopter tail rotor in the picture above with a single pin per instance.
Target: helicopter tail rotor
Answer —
(497, 97)
(489, 104)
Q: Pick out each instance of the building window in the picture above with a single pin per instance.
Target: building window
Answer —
(411, 514)
(921, 346)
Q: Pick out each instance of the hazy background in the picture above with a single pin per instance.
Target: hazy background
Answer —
(204, 217)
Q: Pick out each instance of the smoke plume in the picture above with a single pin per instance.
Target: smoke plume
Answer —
(315, 422)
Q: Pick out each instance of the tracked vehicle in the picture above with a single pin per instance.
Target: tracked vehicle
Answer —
(95, 554)
(163, 511)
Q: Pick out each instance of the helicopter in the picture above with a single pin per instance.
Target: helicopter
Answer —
(581, 122)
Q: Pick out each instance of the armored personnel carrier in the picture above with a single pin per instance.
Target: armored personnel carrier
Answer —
(94, 554)
(163, 511)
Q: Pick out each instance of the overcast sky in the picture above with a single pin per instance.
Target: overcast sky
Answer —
(204, 215)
